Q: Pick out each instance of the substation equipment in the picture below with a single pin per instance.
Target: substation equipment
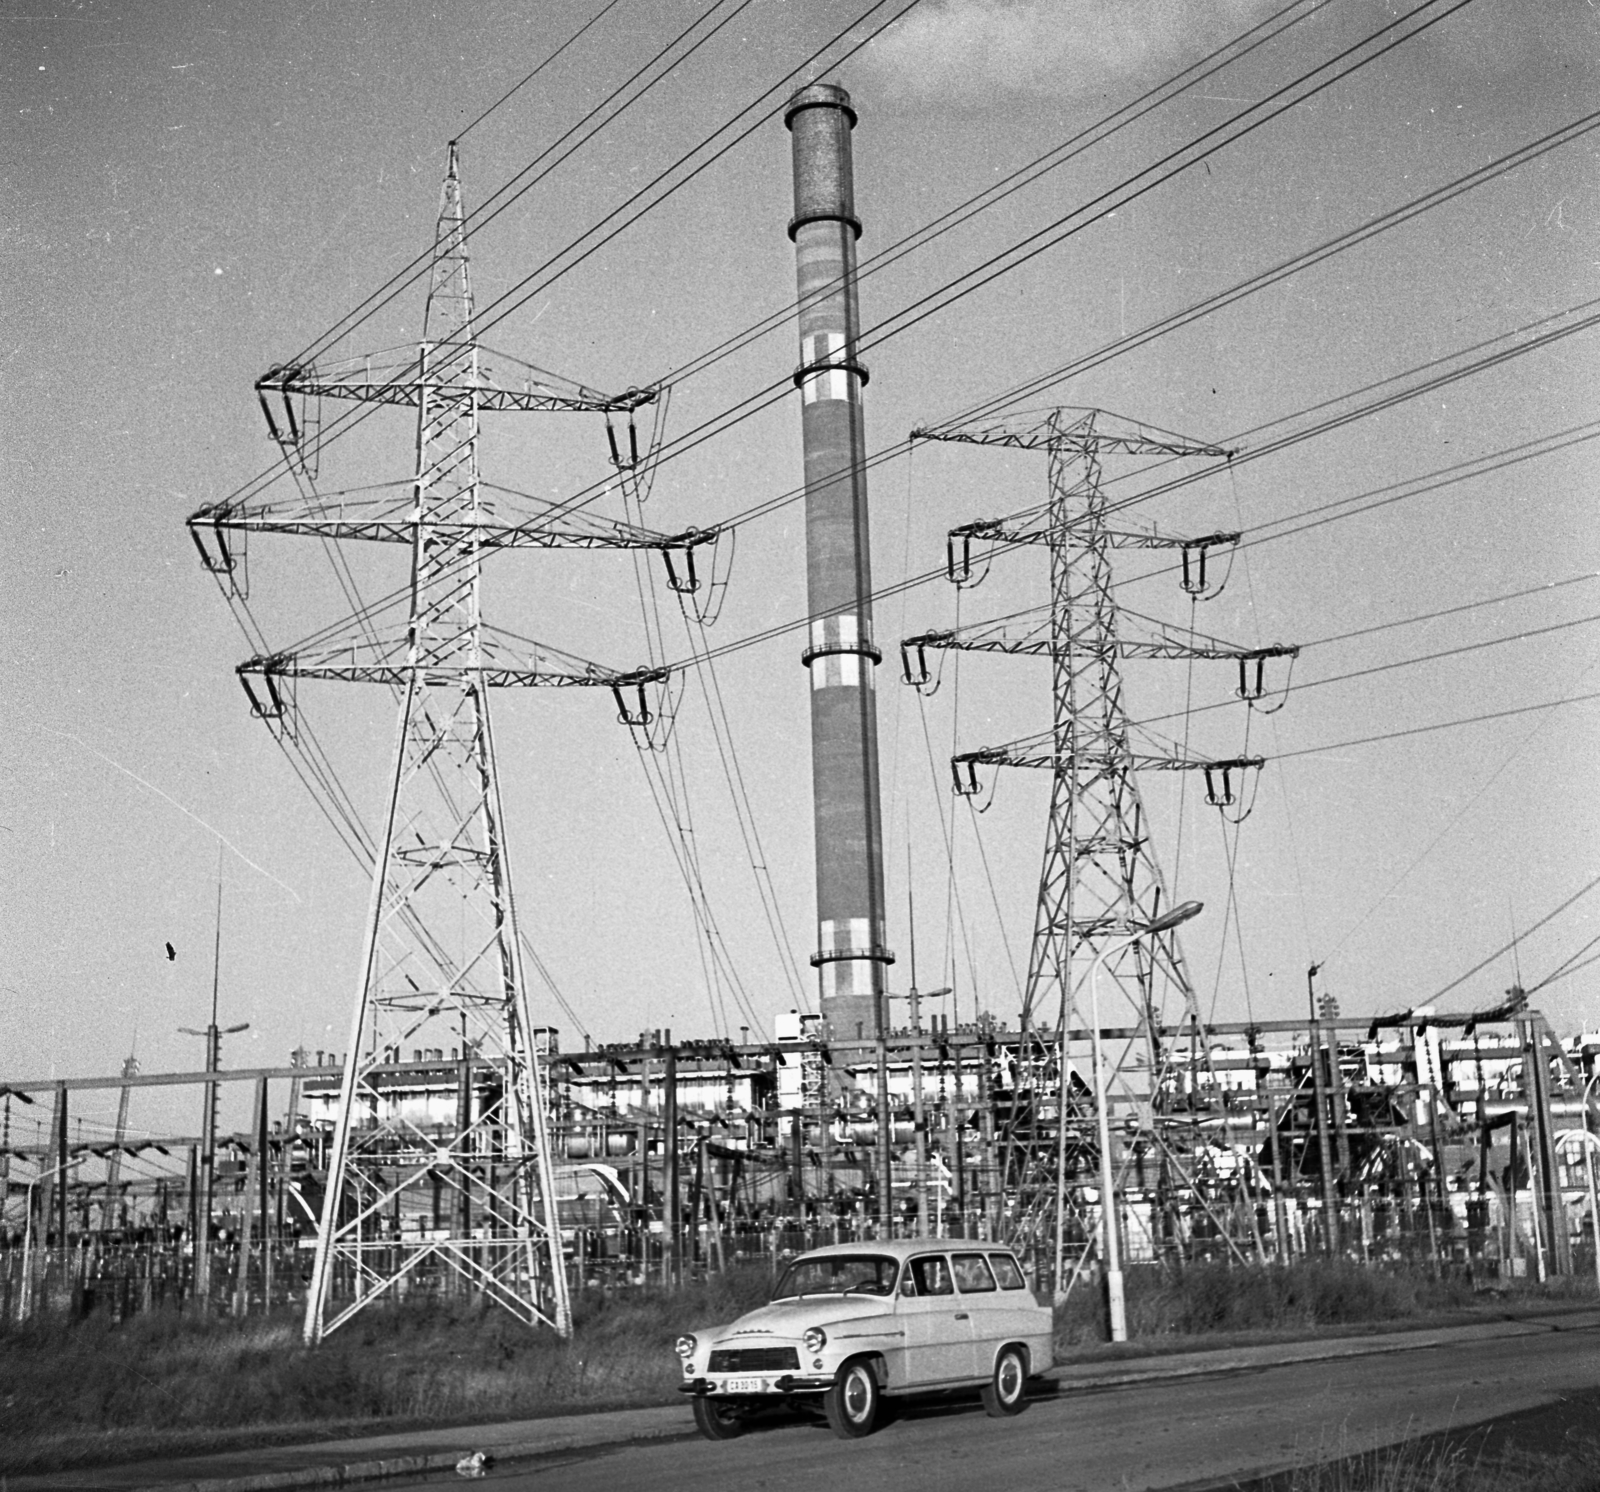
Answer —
(453, 1147)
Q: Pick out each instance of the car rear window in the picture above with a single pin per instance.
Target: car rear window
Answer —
(932, 1275)
(972, 1274)
(1006, 1271)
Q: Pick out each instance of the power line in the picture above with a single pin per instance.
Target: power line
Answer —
(1420, 730)
(525, 290)
(353, 418)
(1385, 401)
(1506, 947)
(1059, 155)
(488, 210)
(1376, 668)
(515, 88)
(1432, 616)
(1174, 163)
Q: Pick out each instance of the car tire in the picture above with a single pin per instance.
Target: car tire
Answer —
(852, 1403)
(717, 1419)
(1007, 1389)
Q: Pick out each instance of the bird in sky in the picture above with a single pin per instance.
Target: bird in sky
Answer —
(172, 953)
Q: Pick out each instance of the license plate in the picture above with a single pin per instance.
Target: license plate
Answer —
(745, 1386)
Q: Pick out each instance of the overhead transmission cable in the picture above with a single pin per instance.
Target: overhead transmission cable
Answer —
(1475, 466)
(1506, 163)
(516, 88)
(1024, 176)
(1223, 299)
(515, 186)
(1421, 730)
(1505, 948)
(1385, 400)
(1262, 112)
(354, 417)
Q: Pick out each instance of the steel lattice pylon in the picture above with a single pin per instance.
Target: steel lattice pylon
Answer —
(1100, 877)
(412, 1201)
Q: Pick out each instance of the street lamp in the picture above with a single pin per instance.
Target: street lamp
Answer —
(25, 1304)
(1116, 1304)
(1588, 1156)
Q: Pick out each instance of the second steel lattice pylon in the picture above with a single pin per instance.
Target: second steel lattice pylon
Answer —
(1100, 878)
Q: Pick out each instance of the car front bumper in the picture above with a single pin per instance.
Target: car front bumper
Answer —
(778, 1387)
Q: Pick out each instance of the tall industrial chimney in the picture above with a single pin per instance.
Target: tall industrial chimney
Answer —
(851, 956)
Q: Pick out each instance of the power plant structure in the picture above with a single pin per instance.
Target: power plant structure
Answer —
(852, 956)
(1465, 1141)
(454, 1146)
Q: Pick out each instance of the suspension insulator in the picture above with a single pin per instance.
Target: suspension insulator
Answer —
(964, 782)
(223, 561)
(631, 461)
(273, 706)
(917, 676)
(640, 714)
(1219, 786)
(1194, 569)
(958, 568)
(687, 583)
(1252, 687)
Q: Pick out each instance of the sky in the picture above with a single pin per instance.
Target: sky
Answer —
(198, 191)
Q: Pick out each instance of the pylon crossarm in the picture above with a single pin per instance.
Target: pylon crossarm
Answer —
(1025, 753)
(399, 376)
(1077, 431)
(1134, 539)
(393, 520)
(549, 670)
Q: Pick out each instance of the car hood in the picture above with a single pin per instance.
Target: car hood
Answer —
(788, 1318)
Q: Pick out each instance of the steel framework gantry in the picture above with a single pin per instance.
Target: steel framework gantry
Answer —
(1100, 878)
(442, 946)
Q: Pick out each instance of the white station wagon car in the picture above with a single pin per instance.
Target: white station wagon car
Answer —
(853, 1322)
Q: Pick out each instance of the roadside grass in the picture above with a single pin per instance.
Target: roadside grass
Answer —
(1308, 1297)
(92, 1391)
(78, 1393)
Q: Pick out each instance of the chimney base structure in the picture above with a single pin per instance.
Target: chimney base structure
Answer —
(851, 955)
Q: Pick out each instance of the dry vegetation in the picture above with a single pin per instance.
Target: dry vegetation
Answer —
(93, 1391)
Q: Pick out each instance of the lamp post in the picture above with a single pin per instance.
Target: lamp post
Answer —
(1116, 1304)
(208, 1123)
(1588, 1157)
(25, 1305)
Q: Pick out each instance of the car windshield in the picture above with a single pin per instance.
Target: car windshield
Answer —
(838, 1274)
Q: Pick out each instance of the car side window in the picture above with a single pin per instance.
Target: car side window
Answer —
(972, 1274)
(1007, 1272)
(932, 1275)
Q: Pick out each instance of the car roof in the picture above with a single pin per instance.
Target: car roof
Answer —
(904, 1248)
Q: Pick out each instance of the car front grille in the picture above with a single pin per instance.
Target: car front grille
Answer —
(753, 1360)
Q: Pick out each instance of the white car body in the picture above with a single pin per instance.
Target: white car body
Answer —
(938, 1315)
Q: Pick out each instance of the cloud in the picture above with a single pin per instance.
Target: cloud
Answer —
(964, 51)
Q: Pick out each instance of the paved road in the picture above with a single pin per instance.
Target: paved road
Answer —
(1167, 1435)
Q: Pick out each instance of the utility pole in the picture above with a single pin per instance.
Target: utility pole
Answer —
(1325, 1159)
(110, 1209)
(672, 1204)
(205, 1191)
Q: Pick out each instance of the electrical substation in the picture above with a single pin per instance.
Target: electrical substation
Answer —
(456, 1142)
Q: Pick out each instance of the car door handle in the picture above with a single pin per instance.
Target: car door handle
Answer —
(962, 1316)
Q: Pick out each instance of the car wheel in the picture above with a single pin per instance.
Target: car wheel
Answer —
(717, 1419)
(852, 1403)
(1006, 1390)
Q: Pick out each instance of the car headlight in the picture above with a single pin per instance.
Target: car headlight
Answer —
(685, 1346)
(814, 1339)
